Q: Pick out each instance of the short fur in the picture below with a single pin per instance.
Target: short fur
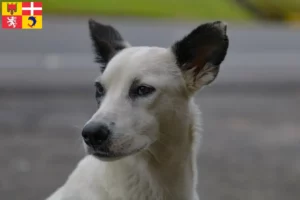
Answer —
(151, 152)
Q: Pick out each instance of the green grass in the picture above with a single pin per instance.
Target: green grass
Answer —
(187, 9)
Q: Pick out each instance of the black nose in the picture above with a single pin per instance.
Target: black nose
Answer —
(95, 133)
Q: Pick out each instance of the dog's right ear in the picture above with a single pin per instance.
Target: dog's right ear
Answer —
(107, 41)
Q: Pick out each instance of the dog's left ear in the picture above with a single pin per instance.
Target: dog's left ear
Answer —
(107, 41)
(200, 54)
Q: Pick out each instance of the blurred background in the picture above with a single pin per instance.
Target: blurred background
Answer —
(251, 139)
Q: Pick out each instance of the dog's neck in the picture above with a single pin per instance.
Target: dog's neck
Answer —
(167, 169)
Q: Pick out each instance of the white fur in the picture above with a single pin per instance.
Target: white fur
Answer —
(155, 137)
(166, 169)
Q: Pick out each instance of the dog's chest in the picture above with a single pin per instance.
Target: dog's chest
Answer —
(131, 184)
(123, 182)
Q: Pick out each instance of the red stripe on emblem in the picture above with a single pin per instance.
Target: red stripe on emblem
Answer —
(25, 4)
(38, 12)
(38, 4)
(25, 12)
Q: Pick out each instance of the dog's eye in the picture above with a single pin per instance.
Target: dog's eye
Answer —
(144, 90)
(99, 91)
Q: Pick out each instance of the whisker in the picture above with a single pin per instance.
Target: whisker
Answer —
(148, 151)
(77, 127)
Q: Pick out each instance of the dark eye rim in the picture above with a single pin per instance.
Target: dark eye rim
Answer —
(149, 90)
(100, 91)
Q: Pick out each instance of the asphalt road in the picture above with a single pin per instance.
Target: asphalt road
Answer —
(70, 34)
(251, 139)
(258, 53)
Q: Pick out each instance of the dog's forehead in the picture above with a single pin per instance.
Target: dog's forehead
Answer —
(136, 62)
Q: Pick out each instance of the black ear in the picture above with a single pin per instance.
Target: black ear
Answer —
(107, 41)
(201, 52)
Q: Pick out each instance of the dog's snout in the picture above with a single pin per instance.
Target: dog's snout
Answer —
(95, 133)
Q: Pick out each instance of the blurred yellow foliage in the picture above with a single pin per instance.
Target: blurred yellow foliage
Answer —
(286, 9)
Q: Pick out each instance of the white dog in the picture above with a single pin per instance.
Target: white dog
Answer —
(142, 142)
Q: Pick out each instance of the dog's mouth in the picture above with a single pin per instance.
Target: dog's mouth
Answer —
(109, 155)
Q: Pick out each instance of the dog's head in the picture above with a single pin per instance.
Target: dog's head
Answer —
(139, 87)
